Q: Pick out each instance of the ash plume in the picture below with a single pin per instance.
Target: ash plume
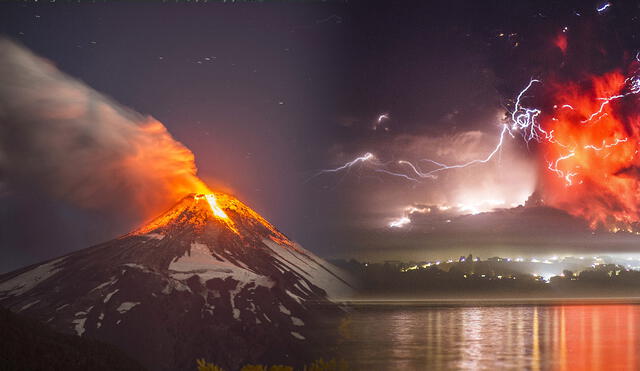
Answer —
(60, 137)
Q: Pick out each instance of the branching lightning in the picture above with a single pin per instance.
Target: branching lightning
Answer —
(553, 166)
(605, 145)
(580, 135)
(366, 157)
(400, 175)
(523, 119)
(505, 130)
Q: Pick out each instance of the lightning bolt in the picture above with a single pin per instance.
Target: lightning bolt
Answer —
(606, 101)
(370, 158)
(400, 175)
(364, 158)
(441, 167)
(523, 120)
(604, 145)
(526, 122)
(632, 86)
(603, 7)
(553, 166)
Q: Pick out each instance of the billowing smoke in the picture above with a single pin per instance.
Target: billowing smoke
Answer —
(60, 137)
(591, 162)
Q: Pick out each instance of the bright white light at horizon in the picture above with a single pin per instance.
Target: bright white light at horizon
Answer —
(400, 222)
(477, 207)
(404, 220)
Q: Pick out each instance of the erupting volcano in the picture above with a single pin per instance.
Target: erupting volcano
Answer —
(209, 268)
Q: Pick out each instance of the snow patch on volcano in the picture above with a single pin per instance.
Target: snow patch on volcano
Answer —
(305, 263)
(105, 284)
(284, 309)
(297, 335)
(126, 306)
(154, 236)
(200, 261)
(79, 325)
(29, 305)
(297, 321)
(109, 295)
(28, 280)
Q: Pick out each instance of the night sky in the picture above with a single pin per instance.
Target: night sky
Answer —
(268, 95)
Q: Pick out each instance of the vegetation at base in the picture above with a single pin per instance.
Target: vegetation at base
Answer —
(26, 344)
(331, 365)
(206, 366)
(265, 368)
(317, 365)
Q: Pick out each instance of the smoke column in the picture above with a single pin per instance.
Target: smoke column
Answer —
(60, 137)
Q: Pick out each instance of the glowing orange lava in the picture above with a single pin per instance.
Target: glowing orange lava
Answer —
(217, 210)
(200, 210)
(591, 162)
(250, 219)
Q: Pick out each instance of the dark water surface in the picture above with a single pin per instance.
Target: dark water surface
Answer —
(502, 337)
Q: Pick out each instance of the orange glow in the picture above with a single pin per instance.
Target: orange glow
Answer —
(202, 210)
(250, 218)
(217, 211)
(561, 42)
(591, 162)
(586, 326)
(161, 169)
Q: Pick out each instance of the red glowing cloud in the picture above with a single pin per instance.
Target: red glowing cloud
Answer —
(561, 42)
(591, 160)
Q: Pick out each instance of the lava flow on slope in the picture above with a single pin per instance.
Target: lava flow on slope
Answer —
(197, 210)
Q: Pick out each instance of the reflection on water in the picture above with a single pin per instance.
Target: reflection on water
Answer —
(571, 337)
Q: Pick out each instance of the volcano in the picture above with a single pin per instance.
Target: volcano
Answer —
(210, 278)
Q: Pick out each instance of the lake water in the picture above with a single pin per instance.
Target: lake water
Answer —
(509, 337)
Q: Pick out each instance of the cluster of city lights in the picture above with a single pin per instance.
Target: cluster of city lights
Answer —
(543, 268)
